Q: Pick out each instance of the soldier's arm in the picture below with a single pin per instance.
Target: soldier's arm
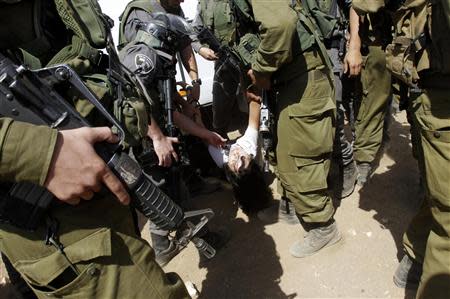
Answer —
(365, 6)
(25, 151)
(190, 64)
(277, 31)
(64, 162)
(202, 49)
(353, 58)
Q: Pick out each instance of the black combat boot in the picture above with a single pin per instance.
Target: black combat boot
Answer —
(408, 273)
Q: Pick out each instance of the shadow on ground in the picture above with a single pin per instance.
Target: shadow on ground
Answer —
(252, 266)
(394, 193)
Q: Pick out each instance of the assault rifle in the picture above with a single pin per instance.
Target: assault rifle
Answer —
(35, 96)
(266, 129)
(225, 54)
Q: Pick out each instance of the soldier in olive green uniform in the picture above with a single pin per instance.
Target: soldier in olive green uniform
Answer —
(375, 91)
(228, 103)
(425, 67)
(291, 60)
(95, 252)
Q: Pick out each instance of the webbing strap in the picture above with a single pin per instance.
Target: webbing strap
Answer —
(322, 50)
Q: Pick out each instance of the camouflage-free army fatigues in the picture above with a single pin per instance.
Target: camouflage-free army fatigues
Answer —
(427, 239)
(101, 255)
(305, 110)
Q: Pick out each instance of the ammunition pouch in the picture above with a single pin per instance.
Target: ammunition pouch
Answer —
(401, 58)
(24, 205)
(246, 49)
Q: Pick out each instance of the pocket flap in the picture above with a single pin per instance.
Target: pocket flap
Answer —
(44, 270)
(311, 106)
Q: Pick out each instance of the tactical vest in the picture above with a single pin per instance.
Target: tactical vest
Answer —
(324, 14)
(229, 20)
(421, 45)
(45, 26)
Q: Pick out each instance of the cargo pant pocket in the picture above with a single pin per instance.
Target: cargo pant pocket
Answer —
(313, 174)
(53, 277)
(436, 151)
(311, 126)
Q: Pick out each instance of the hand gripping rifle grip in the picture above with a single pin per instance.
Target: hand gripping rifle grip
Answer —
(146, 197)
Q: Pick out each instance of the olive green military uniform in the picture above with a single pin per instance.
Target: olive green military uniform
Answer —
(102, 256)
(375, 89)
(228, 102)
(305, 107)
(427, 239)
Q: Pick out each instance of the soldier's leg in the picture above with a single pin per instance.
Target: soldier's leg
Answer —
(95, 254)
(225, 92)
(376, 85)
(432, 117)
(305, 141)
(343, 149)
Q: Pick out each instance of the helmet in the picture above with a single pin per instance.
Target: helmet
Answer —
(172, 32)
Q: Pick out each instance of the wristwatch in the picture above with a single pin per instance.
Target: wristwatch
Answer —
(196, 81)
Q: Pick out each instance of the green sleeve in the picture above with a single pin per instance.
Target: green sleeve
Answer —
(364, 6)
(25, 151)
(278, 23)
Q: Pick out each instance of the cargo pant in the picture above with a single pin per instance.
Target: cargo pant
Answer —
(427, 239)
(100, 256)
(376, 90)
(305, 129)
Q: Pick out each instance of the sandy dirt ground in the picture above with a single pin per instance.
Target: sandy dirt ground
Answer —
(256, 262)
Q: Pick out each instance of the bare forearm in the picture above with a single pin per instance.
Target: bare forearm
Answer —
(355, 40)
(188, 126)
(254, 115)
(154, 131)
(189, 62)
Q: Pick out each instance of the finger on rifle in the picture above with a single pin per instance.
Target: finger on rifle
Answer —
(88, 195)
(174, 155)
(73, 201)
(115, 186)
(345, 67)
(103, 134)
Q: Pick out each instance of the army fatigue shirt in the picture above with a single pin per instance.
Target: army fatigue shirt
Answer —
(277, 31)
(25, 151)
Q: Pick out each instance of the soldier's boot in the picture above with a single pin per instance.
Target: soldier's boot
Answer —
(408, 273)
(286, 212)
(364, 171)
(317, 238)
(165, 249)
(350, 174)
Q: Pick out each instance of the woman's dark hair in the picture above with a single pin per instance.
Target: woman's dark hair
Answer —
(250, 189)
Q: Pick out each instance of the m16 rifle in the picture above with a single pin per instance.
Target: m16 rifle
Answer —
(35, 96)
(225, 54)
(266, 129)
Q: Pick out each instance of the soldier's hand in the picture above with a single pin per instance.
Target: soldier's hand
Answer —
(208, 54)
(76, 171)
(214, 139)
(353, 62)
(259, 80)
(165, 150)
